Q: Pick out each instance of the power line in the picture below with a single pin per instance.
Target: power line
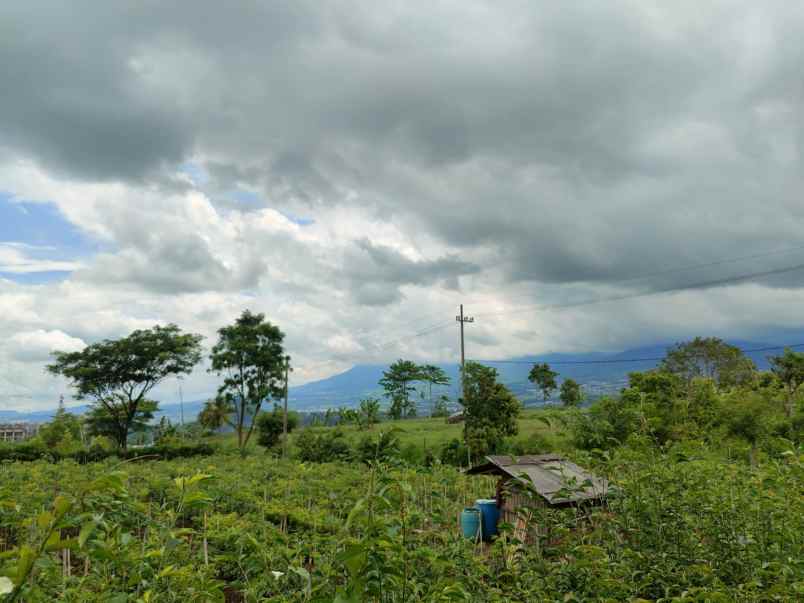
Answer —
(687, 287)
(366, 334)
(628, 360)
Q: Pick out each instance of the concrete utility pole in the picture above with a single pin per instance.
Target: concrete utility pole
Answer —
(285, 414)
(462, 319)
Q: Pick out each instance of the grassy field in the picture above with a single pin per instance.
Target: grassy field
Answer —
(540, 430)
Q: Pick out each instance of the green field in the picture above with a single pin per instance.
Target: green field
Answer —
(692, 522)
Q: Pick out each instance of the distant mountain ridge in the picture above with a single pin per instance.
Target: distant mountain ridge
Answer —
(598, 372)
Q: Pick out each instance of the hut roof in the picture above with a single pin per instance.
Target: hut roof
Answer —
(556, 479)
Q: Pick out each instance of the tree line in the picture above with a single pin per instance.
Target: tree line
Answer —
(116, 376)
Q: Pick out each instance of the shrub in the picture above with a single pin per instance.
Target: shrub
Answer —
(383, 448)
(454, 453)
(330, 445)
(270, 425)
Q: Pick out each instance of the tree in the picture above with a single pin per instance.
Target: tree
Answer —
(432, 375)
(250, 357)
(711, 358)
(63, 423)
(571, 393)
(440, 408)
(116, 375)
(544, 378)
(368, 413)
(789, 369)
(269, 426)
(215, 414)
(490, 409)
(396, 382)
(101, 422)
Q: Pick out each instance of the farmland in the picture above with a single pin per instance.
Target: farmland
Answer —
(691, 522)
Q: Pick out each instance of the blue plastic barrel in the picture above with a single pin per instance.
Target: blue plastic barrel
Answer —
(489, 514)
(470, 522)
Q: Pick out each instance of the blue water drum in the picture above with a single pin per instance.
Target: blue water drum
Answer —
(470, 522)
(489, 514)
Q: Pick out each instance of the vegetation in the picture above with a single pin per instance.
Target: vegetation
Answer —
(544, 378)
(117, 375)
(250, 358)
(710, 358)
(271, 425)
(397, 382)
(706, 470)
(490, 409)
(571, 393)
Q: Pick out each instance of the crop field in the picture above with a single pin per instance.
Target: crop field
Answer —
(690, 525)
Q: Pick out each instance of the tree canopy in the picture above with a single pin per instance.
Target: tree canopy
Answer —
(711, 358)
(571, 393)
(250, 357)
(490, 409)
(116, 375)
(544, 378)
(789, 369)
(397, 382)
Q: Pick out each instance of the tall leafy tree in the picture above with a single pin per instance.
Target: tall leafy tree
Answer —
(711, 358)
(215, 414)
(544, 378)
(397, 382)
(116, 375)
(490, 409)
(789, 369)
(250, 358)
(432, 375)
(571, 393)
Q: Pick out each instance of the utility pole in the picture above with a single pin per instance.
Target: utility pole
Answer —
(181, 405)
(463, 319)
(285, 414)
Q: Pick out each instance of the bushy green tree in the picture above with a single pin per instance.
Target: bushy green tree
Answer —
(270, 426)
(250, 358)
(544, 378)
(324, 446)
(789, 370)
(215, 414)
(490, 409)
(397, 382)
(711, 358)
(63, 422)
(116, 375)
(571, 393)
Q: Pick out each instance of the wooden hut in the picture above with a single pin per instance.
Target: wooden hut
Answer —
(535, 480)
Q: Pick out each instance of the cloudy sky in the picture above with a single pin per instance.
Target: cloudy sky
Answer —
(355, 170)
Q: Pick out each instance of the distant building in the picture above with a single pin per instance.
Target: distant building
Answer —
(17, 432)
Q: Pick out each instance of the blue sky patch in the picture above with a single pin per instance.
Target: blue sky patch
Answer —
(39, 231)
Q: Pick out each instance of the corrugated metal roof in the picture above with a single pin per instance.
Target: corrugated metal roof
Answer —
(555, 478)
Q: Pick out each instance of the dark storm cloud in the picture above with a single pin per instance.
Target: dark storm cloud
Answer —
(571, 142)
(376, 272)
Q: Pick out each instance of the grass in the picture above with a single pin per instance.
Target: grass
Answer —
(538, 427)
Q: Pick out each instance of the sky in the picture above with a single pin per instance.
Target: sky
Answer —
(357, 169)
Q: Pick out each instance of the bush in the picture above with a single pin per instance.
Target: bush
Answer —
(330, 445)
(454, 453)
(32, 451)
(270, 425)
(383, 448)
